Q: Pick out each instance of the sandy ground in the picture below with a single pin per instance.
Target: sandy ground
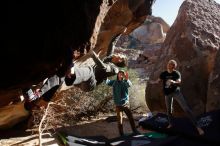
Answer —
(94, 127)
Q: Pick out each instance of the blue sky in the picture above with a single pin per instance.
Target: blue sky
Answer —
(168, 9)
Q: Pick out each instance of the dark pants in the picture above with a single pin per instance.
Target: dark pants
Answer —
(178, 96)
(119, 110)
(50, 87)
(103, 70)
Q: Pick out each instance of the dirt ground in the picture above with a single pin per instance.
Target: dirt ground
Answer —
(95, 127)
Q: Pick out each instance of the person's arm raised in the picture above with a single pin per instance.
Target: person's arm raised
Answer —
(109, 82)
(126, 75)
(155, 81)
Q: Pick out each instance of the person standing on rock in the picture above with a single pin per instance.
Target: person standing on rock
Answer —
(121, 99)
(171, 87)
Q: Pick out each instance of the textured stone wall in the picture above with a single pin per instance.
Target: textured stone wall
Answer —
(194, 41)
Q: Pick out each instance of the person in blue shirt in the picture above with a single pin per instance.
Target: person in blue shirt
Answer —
(121, 99)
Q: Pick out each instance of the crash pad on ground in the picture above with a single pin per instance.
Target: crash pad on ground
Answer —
(182, 126)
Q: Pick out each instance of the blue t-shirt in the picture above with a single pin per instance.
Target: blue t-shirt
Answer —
(120, 90)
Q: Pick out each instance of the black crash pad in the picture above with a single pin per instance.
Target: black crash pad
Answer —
(182, 126)
(83, 141)
(147, 139)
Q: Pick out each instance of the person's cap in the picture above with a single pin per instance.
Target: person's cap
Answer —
(122, 71)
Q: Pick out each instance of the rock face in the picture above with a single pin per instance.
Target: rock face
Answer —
(153, 31)
(40, 33)
(213, 97)
(194, 41)
(122, 17)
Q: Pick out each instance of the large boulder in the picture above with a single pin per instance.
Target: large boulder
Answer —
(12, 114)
(213, 95)
(193, 40)
(152, 31)
(159, 20)
(40, 34)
